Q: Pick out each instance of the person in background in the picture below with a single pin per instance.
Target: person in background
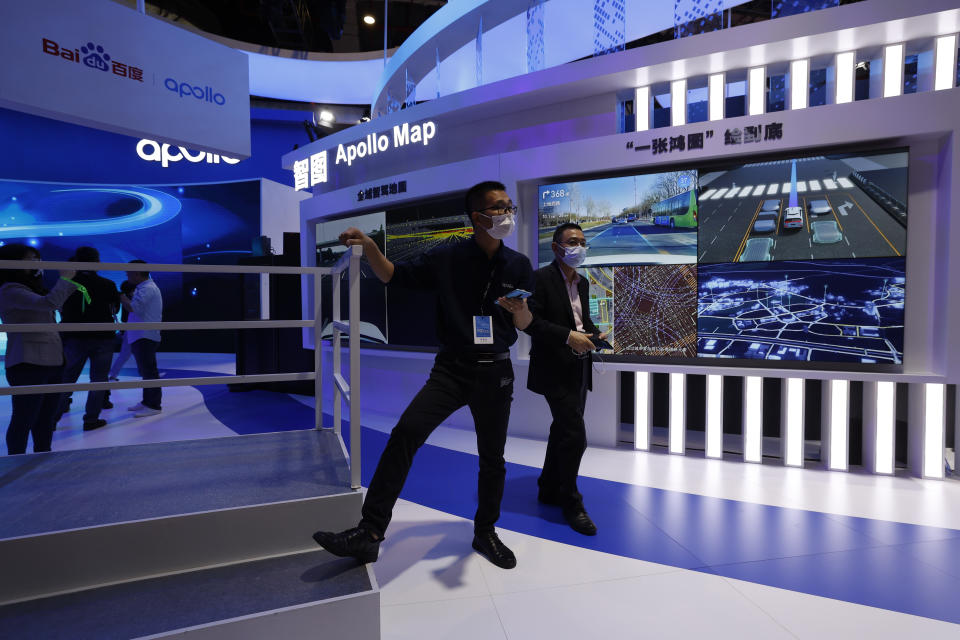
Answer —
(96, 301)
(146, 305)
(32, 358)
(560, 370)
(126, 288)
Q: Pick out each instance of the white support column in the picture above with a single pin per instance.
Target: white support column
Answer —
(678, 102)
(944, 62)
(835, 424)
(642, 410)
(845, 76)
(926, 430)
(717, 96)
(799, 83)
(714, 426)
(879, 420)
(791, 421)
(757, 91)
(678, 414)
(892, 70)
(641, 108)
(752, 419)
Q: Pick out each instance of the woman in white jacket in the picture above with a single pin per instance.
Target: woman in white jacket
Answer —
(32, 358)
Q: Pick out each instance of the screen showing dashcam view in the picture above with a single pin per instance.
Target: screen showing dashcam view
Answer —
(642, 219)
(789, 259)
(822, 207)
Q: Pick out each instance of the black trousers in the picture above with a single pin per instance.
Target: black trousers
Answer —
(100, 353)
(487, 388)
(145, 354)
(35, 413)
(566, 444)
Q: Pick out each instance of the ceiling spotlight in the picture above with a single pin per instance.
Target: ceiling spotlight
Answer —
(365, 119)
(369, 19)
(326, 116)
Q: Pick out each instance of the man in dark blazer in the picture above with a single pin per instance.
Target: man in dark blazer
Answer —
(560, 370)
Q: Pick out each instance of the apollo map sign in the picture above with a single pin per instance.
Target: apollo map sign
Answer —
(312, 170)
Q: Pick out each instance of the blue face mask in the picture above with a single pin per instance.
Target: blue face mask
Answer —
(574, 256)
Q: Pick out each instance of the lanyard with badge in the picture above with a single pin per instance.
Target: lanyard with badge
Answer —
(483, 325)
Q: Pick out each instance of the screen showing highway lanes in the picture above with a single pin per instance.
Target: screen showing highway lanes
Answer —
(797, 258)
(642, 219)
(823, 207)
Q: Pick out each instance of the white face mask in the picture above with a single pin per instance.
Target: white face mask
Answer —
(574, 256)
(502, 226)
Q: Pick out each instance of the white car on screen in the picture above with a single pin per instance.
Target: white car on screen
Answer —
(826, 232)
(793, 218)
(820, 208)
(771, 205)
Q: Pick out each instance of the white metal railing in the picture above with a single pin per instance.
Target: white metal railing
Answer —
(349, 262)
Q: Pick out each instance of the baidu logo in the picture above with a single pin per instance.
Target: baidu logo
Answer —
(95, 57)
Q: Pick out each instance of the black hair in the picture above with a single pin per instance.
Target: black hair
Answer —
(476, 194)
(558, 232)
(138, 261)
(18, 251)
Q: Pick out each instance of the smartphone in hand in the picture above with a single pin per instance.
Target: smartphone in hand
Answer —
(518, 293)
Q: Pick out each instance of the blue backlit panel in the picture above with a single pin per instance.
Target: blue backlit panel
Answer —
(836, 311)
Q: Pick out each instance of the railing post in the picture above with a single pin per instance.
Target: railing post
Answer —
(355, 368)
(317, 350)
(337, 394)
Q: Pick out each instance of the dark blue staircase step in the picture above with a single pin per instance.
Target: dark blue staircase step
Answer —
(46, 492)
(164, 604)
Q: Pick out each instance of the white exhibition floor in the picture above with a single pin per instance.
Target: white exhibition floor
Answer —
(434, 586)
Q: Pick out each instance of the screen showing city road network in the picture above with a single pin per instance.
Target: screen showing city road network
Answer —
(796, 258)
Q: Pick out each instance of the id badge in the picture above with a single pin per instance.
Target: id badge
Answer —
(482, 330)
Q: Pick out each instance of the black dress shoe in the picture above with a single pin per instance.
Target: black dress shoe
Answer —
(579, 521)
(489, 546)
(108, 405)
(353, 543)
(90, 425)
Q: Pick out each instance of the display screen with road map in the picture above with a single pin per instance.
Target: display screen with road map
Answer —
(796, 258)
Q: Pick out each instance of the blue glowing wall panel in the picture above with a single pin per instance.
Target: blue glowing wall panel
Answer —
(825, 310)
(196, 224)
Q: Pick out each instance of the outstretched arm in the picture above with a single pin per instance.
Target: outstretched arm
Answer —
(382, 267)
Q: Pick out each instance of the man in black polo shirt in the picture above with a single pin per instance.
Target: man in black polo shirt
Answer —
(96, 300)
(473, 368)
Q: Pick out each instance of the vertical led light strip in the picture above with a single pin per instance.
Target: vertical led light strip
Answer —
(678, 102)
(945, 62)
(884, 434)
(714, 416)
(791, 422)
(799, 83)
(839, 409)
(641, 411)
(678, 422)
(641, 108)
(846, 72)
(933, 430)
(757, 91)
(753, 419)
(716, 99)
(892, 70)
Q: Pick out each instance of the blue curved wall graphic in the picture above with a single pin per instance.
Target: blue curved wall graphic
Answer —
(156, 208)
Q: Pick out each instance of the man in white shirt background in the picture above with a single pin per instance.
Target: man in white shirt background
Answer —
(146, 305)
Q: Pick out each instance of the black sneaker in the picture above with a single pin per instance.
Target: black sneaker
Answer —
(488, 545)
(353, 543)
(90, 425)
